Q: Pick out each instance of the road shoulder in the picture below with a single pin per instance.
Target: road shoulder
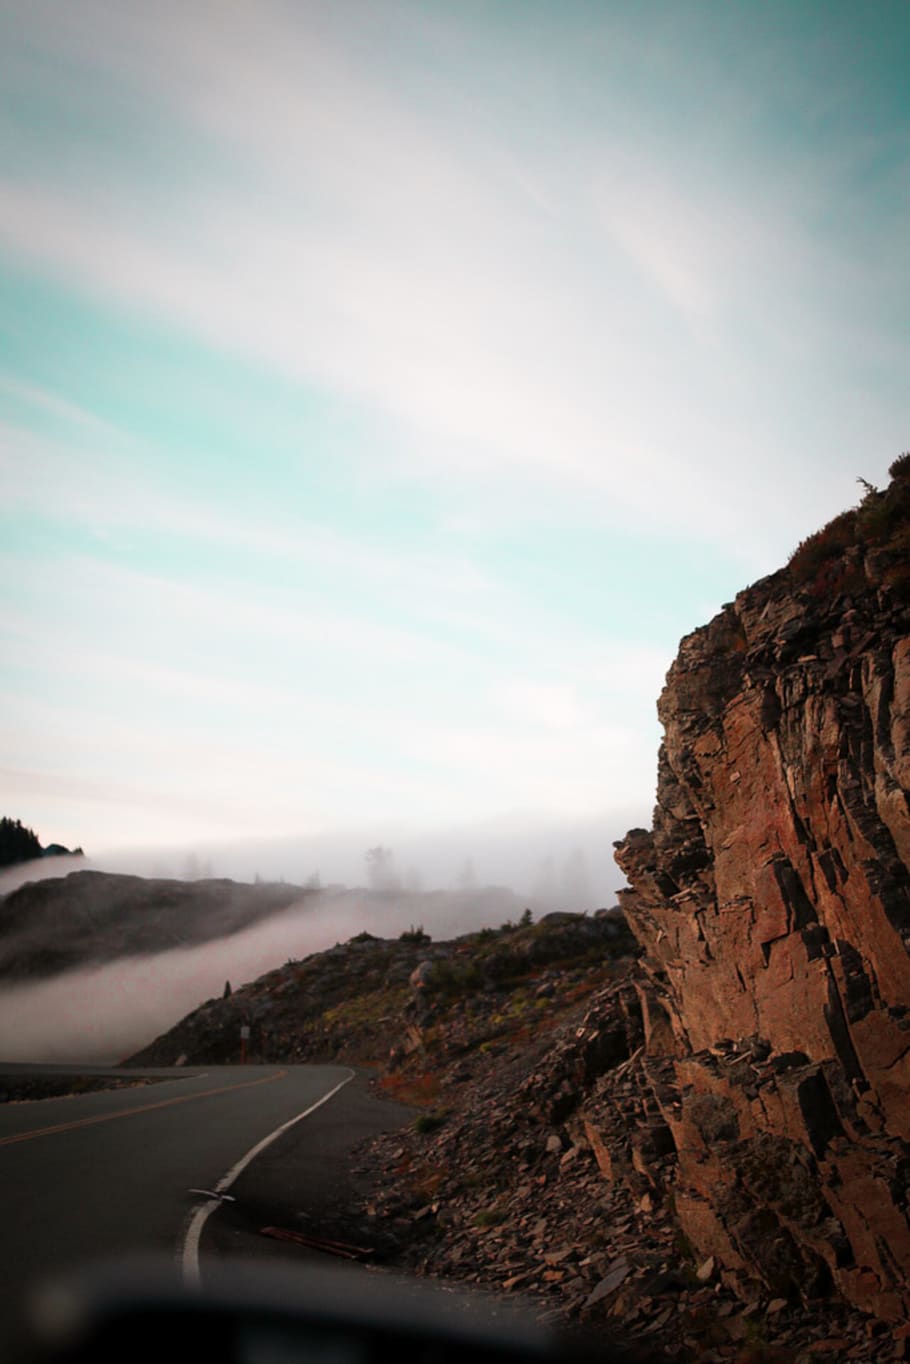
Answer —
(307, 1181)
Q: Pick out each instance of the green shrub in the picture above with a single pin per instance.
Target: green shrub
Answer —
(490, 1217)
(901, 466)
(455, 977)
(429, 1122)
(415, 935)
(827, 543)
(881, 518)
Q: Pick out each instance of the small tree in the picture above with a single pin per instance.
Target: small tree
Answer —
(381, 873)
(467, 878)
(576, 885)
(545, 888)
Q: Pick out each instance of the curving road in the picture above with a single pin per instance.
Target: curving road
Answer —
(105, 1174)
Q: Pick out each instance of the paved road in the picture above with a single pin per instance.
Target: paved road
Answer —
(103, 1174)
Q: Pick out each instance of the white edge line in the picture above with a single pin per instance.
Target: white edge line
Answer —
(189, 1254)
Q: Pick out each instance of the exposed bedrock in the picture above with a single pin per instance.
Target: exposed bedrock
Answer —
(772, 898)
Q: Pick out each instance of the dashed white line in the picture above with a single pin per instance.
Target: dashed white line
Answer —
(189, 1254)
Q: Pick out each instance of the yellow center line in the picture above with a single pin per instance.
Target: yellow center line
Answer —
(131, 1112)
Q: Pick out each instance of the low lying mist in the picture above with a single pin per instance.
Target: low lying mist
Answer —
(11, 878)
(105, 1013)
(547, 859)
(487, 873)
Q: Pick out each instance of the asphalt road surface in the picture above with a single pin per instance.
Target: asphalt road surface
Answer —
(101, 1175)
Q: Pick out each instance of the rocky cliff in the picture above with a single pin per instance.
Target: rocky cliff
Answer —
(772, 900)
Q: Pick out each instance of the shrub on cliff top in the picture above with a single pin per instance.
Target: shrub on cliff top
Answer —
(811, 553)
(881, 521)
(414, 935)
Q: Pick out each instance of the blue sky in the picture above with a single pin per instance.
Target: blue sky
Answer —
(385, 389)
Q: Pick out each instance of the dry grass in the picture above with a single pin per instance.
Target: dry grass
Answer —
(421, 1090)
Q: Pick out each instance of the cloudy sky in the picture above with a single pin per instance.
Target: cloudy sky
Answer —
(386, 387)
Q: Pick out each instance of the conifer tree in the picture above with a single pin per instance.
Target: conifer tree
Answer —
(17, 843)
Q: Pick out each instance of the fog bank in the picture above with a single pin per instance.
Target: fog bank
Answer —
(105, 1013)
(11, 878)
(526, 851)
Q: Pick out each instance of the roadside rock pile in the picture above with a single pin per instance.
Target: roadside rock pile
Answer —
(550, 1173)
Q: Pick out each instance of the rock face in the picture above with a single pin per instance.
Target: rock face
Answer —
(772, 899)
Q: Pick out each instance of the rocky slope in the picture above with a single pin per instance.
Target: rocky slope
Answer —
(387, 1002)
(59, 923)
(772, 898)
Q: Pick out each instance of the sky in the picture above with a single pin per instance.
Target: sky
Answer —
(386, 388)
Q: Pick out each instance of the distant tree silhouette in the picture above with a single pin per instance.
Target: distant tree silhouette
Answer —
(545, 888)
(576, 884)
(467, 877)
(381, 873)
(17, 843)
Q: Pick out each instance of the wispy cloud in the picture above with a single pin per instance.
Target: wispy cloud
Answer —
(362, 246)
(551, 290)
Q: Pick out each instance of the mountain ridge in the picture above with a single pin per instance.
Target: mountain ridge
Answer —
(59, 923)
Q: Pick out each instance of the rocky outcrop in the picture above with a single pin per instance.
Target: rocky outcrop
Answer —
(772, 900)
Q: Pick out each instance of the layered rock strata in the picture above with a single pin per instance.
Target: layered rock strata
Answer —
(772, 899)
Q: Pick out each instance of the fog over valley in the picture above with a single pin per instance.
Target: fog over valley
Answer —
(528, 852)
(446, 883)
(104, 1013)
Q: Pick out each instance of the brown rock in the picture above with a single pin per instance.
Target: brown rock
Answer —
(599, 1147)
(772, 899)
(614, 1277)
